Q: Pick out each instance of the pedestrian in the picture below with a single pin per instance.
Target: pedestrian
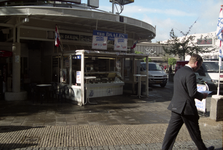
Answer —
(183, 106)
(170, 69)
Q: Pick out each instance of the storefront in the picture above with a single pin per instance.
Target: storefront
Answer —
(30, 33)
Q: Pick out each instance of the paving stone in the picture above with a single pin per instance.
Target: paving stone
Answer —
(118, 122)
(111, 147)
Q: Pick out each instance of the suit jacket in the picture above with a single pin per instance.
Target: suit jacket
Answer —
(185, 90)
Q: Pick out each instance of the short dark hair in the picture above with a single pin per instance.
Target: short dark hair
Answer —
(196, 57)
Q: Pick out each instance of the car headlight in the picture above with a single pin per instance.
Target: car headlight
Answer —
(165, 76)
(150, 76)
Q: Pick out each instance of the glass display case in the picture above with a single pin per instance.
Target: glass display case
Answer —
(108, 81)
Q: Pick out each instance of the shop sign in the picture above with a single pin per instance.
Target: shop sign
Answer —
(111, 35)
(69, 36)
(120, 44)
(99, 42)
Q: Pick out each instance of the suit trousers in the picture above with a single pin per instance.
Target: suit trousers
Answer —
(175, 124)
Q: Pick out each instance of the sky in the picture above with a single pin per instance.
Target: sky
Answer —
(178, 15)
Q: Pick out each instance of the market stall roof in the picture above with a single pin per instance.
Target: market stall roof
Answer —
(107, 54)
(68, 17)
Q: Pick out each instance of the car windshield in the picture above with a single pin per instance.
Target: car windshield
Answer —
(210, 67)
(152, 67)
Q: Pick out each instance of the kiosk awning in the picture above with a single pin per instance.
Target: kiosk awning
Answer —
(107, 54)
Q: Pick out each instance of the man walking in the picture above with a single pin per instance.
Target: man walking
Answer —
(183, 106)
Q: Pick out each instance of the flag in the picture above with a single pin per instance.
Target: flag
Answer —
(57, 37)
(220, 54)
(134, 45)
(220, 26)
(219, 32)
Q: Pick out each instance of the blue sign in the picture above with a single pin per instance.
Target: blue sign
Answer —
(100, 38)
(77, 57)
(111, 35)
(78, 73)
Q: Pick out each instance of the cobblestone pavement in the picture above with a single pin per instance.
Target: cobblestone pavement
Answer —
(115, 123)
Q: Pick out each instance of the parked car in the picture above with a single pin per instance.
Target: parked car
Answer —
(156, 74)
(209, 74)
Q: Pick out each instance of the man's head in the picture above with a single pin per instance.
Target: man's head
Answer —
(195, 61)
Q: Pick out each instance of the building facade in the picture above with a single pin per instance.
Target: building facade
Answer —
(28, 34)
(207, 41)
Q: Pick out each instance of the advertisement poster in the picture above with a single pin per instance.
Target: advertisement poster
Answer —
(101, 38)
(78, 77)
(201, 105)
(99, 42)
(120, 44)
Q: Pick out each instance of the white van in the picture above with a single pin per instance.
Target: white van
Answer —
(209, 73)
(156, 74)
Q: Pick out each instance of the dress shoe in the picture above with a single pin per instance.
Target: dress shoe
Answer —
(210, 148)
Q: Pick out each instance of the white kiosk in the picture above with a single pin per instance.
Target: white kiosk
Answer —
(94, 74)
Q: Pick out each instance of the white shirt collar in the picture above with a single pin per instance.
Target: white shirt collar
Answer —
(188, 66)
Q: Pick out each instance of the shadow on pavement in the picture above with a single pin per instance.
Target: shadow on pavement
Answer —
(15, 145)
(5, 129)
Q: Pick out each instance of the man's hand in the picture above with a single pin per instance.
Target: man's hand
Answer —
(205, 95)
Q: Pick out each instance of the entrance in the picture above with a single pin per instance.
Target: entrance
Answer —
(5, 76)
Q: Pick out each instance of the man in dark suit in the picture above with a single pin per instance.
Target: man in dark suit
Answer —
(183, 106)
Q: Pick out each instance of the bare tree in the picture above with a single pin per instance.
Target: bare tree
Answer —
(184, 45)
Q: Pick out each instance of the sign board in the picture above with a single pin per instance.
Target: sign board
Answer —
(100, 39)
(17, 59)
(120, 44)
(123, 2)
(111, 35)
(76, 57)
(93, 3)
(78, 77)
(99, 42)
(201, 105)
(204, 41)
